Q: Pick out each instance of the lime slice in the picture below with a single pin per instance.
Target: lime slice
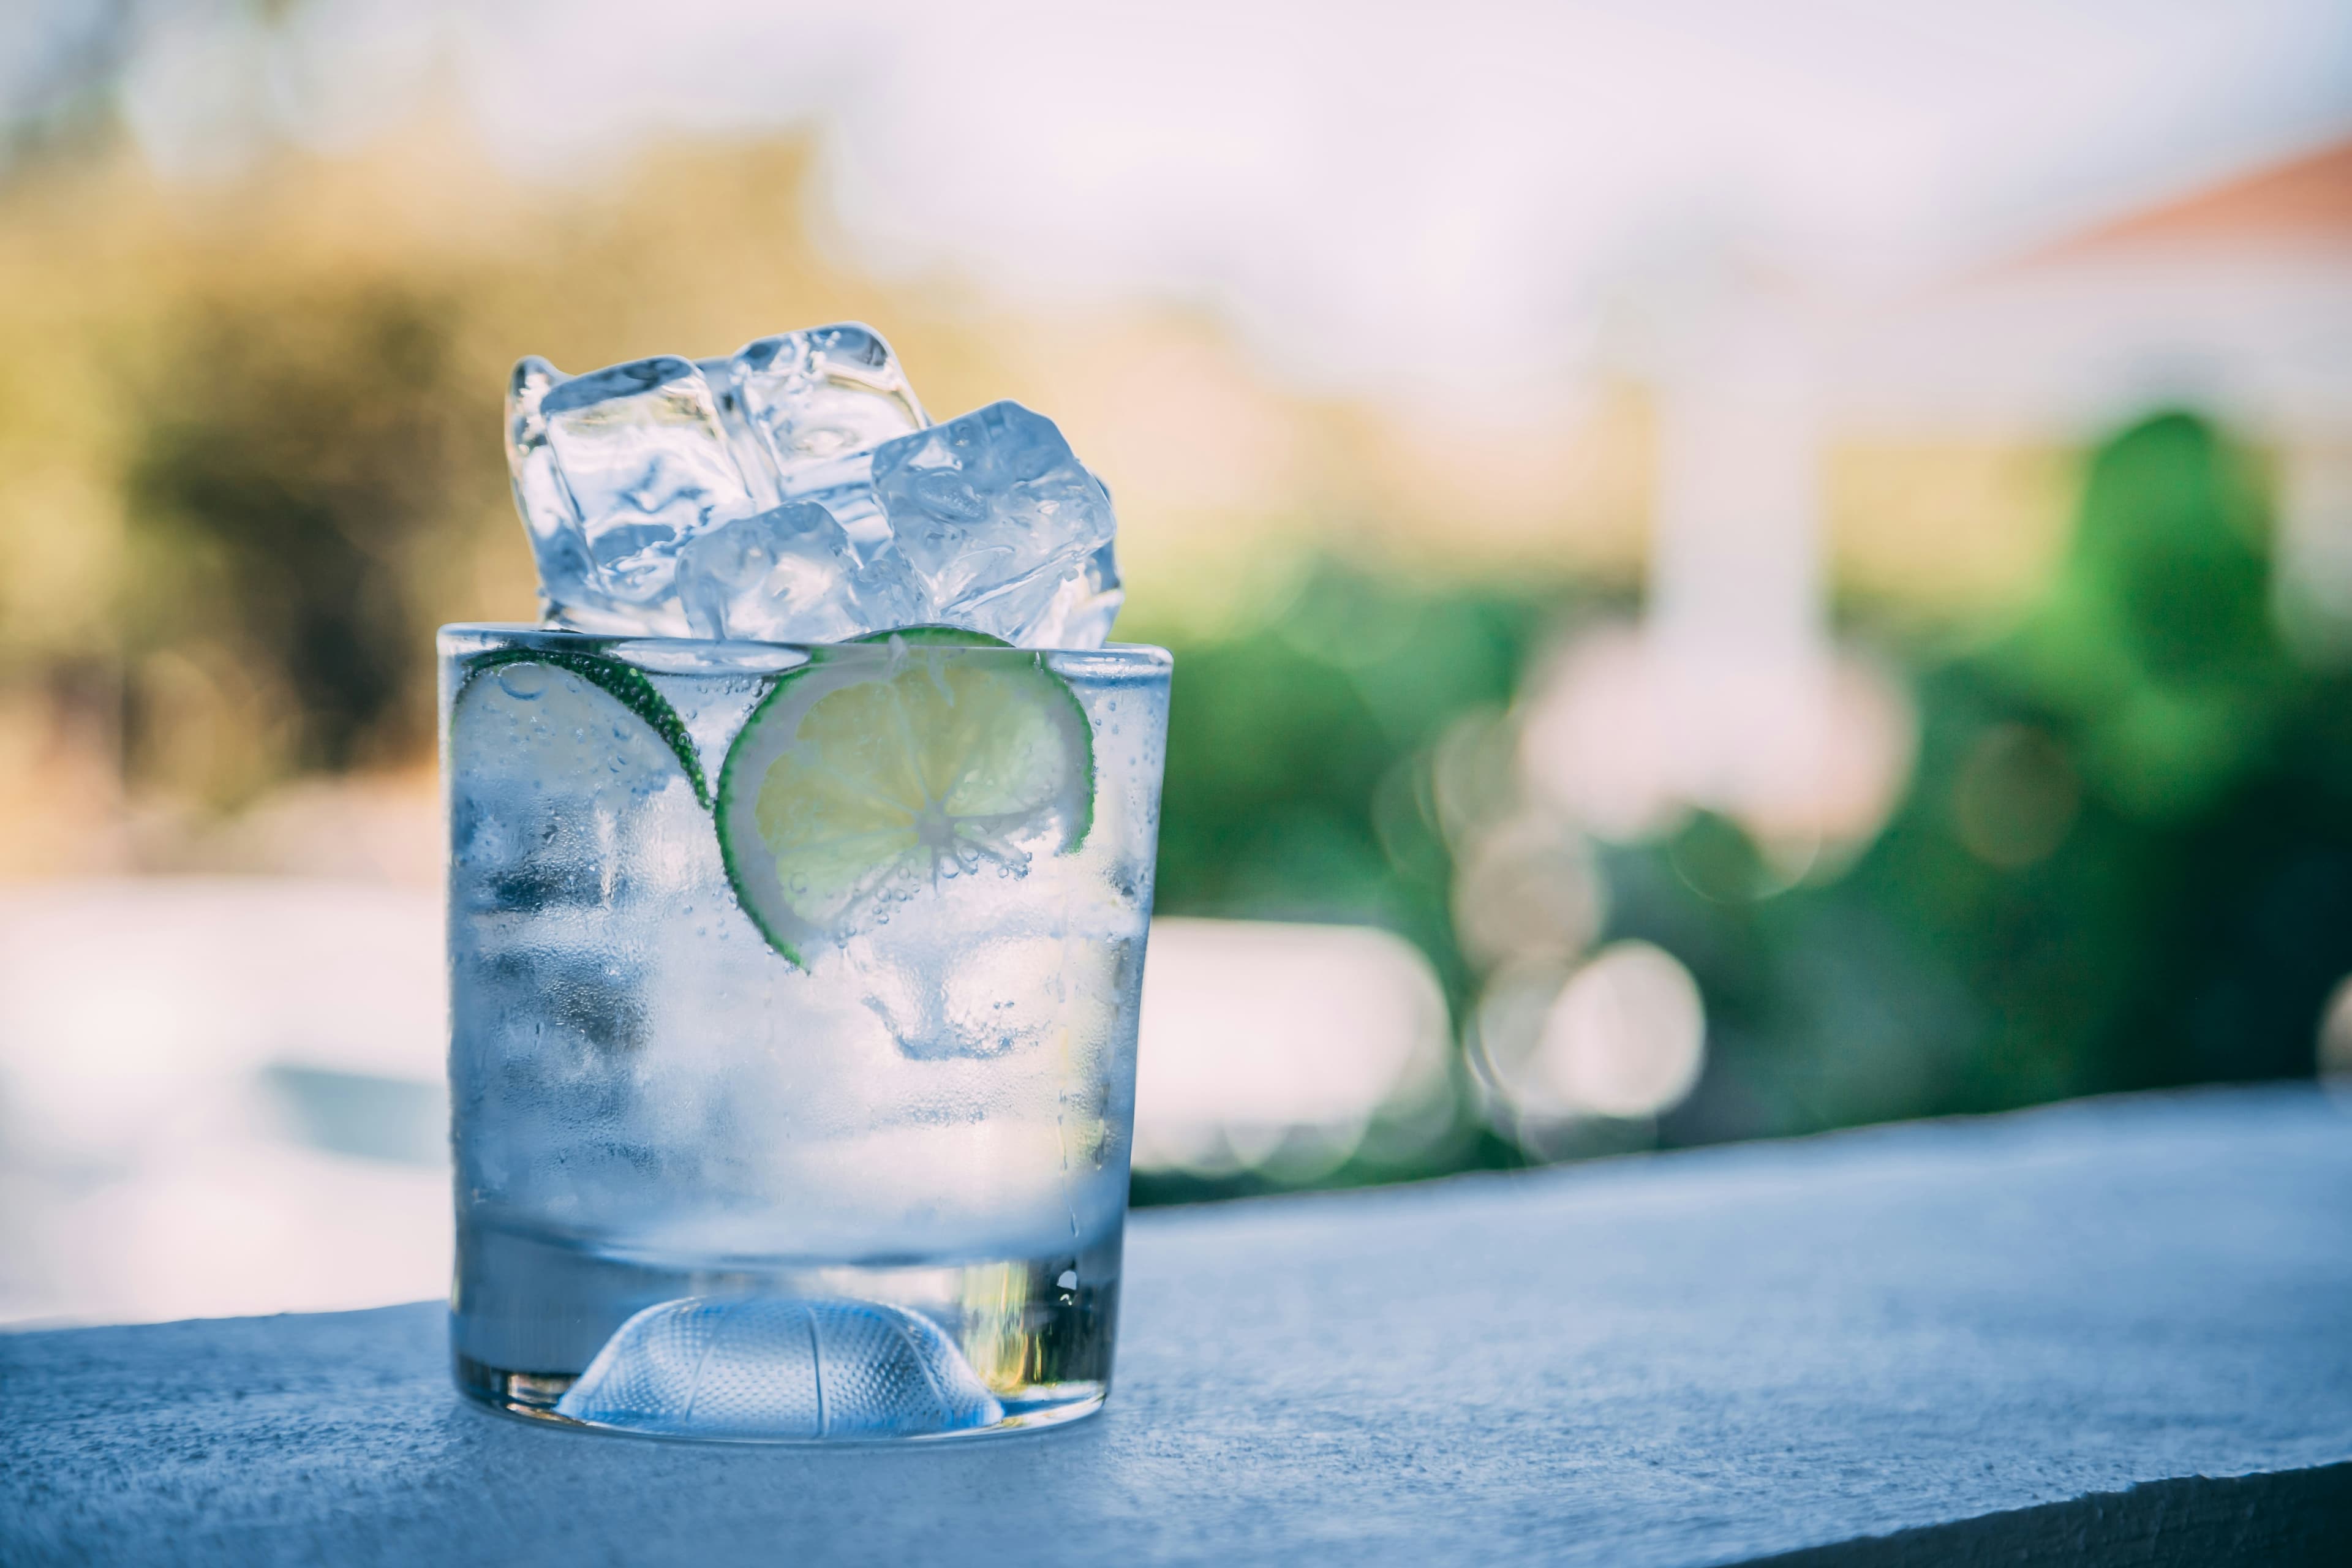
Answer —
(877, 771)
(571, 707)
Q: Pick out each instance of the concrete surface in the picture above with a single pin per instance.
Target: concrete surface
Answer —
(2116, 1332)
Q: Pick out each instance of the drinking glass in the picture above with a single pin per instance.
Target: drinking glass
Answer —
(793, 1022)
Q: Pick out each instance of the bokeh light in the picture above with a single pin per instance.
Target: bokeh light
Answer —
(2335, 1052)
(1266, 1043)
(1627, 735)
(1620, 1035)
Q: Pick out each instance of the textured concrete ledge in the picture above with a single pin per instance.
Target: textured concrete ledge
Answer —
(2116, 1332)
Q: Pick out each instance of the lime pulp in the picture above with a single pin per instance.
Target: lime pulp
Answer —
(900, 762)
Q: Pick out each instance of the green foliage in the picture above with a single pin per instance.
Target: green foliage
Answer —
(2158, 646)
(1297, 752)
(1297, 785)
(2124, 861)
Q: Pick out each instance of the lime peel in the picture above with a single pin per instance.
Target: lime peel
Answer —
(617, 680)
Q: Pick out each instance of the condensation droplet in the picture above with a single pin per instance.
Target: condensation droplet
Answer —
(524, 682)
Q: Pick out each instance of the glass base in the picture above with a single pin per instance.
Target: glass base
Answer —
(533, 1396)
(771, 1352)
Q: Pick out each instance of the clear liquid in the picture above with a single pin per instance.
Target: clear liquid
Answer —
(652, 1105)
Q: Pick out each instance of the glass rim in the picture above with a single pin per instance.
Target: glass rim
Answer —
(1141, 655)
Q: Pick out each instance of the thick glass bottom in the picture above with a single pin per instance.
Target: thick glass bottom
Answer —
(533, 1396)
(778, 1352)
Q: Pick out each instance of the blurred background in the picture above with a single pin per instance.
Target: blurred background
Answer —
(1735, 570)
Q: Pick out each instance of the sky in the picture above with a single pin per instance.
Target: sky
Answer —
(1370, 195)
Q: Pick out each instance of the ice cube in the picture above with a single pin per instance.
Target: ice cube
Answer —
(791, 575)
(615, 470)
(795, 492)
(771, 1367)
(612, 471)
(814, 404)
(1008, 532)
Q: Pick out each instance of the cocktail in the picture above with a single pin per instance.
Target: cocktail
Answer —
(799, 875)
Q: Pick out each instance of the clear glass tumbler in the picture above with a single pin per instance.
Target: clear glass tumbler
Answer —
(793, 1020)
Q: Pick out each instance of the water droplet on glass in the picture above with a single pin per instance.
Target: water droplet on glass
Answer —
(524, 682)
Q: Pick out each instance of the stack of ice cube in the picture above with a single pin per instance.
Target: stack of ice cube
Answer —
(797, 492)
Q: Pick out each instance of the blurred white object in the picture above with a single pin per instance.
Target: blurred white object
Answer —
(1526, 886)
(219, 1096)
(1262, 1039)
(1624, 1035)
(1612, 740)
(1301, 181)
(1732, 697)
(1736, 630)
(1627, 1035)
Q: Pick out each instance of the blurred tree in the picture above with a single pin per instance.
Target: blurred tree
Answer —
(2126, 859)
(2157, 647)
(1297, 784)
(303, 468)
(1294, 750)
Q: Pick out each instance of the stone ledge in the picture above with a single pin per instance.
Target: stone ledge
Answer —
(2111, 1331)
